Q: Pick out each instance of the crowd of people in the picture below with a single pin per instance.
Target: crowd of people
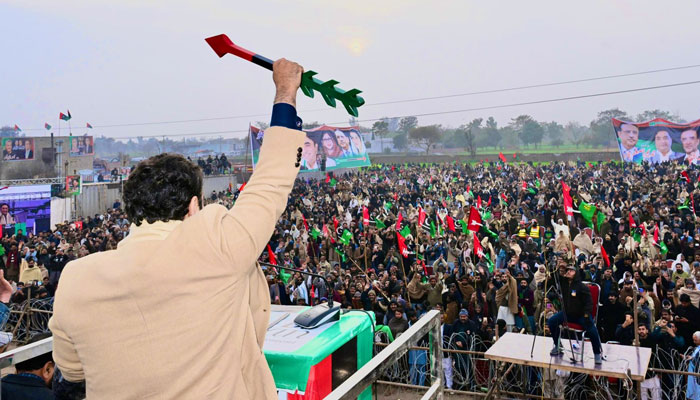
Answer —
(216, 165)
(399, 240)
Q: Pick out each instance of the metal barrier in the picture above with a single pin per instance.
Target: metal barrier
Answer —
(372, 371)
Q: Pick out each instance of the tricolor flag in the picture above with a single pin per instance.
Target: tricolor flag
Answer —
(502, 157)
(17, 128)
(89, 126)
(631, 221)
(402, 245)
(64, 116)
(47, 126)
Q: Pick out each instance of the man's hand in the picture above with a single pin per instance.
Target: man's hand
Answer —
(5, 288)
(287, 77)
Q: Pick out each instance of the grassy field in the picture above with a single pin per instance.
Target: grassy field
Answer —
(544, 150)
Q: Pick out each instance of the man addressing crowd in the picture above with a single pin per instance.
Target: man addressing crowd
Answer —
(179, 310)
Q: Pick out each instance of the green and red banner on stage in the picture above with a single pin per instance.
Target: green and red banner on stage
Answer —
(658, 141)
(325, 148)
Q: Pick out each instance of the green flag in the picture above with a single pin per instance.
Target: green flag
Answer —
(432, 229)
(285, 276)
(684, 206)
(489, 232)
(315, 233)
(664, 248)
(486, 214)
(587, 211)
(341, 253)
(637, 236)
(464, 226)
(379, 224)
(537, 183)
(532, 190)
(405, 231)
(387, 205)
(489, 263)
(333, 182)
(454, 180)
(346, 237)
(600, 218)
(430, 188)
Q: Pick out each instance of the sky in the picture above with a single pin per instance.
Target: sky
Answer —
(139, 61)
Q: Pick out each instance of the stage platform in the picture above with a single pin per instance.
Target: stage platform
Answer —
(515, 348)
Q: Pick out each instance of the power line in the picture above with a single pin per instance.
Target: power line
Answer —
(401, 100)
(584, 96)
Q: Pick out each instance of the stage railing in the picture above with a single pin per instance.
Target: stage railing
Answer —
(373, 370)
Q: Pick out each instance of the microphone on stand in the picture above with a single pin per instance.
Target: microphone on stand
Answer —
(316, 315)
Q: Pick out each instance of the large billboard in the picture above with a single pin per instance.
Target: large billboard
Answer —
(25, 208)
(326, 148)
(81, 146)
(17, 148)
(658, 141)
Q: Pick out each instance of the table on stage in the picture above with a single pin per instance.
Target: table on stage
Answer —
(515, 348)
(309, 363)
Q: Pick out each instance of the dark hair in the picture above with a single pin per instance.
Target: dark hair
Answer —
(37, 362)
(160, 189)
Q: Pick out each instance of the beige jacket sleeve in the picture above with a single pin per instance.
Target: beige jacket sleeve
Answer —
(247, 227)
(64, 354)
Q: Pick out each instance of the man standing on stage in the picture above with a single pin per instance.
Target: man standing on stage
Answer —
(180, 309)
(578, 305)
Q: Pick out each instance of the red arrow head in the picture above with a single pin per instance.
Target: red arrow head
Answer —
(222, 45)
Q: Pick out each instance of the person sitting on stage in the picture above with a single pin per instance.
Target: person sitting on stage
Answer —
(577, 306)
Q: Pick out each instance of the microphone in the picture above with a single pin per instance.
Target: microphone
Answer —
(316, 315)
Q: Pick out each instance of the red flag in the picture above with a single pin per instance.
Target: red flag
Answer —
(335, 224)
(88, 125)
(450, 223)
(568, 204)
(632, 223)
(656, 233)
(328, 178)
(240, 189)
(515, 156)
(524, 185)
(478, 250)
(402, 245)
(365, 216)
(17, 128)
(644, 229)
(421, 216)
(325, 231)
(474, 223)
(504, 197)
(604, 254)
(271, 255)
(79, 225)
(306, 224)
(478, 201)
(566, 187)
(502, 157)
(396, 196)
(685, 175)
(398, 221)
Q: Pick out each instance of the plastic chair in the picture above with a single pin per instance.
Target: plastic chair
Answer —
(578, 329)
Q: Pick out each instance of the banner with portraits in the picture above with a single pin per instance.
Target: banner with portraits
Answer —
(17, 148)
(326, 148)
(74, 185)
(81, 146)
(658, 141)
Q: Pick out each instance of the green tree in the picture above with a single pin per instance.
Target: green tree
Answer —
(648, 115)
(490, 134)
(531, 133)
(381, 129)
(401, 141)
(426, 136)
(602, 132)
(310, 125)
(555, 133)
(407, 123)
(575, 133)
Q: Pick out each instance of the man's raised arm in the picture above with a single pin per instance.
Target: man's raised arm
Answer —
(250, 223)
